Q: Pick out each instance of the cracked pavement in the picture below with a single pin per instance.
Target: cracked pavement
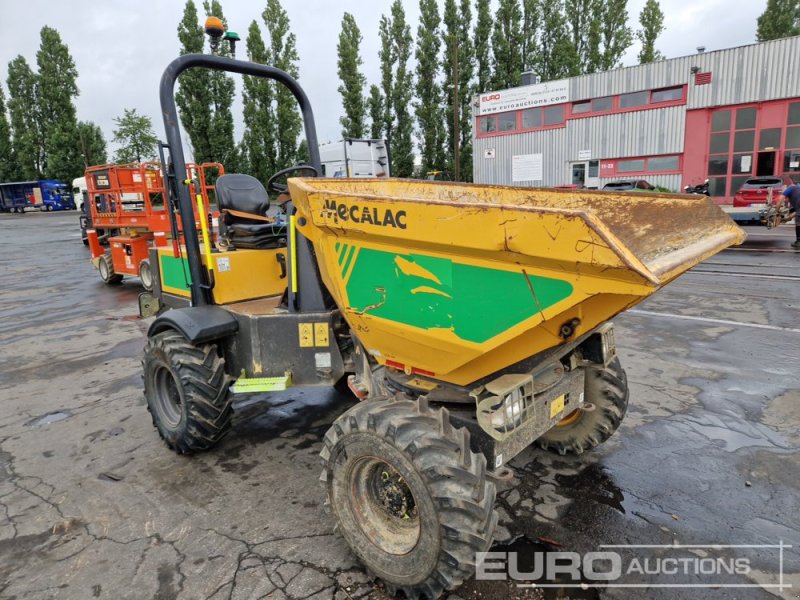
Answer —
(92, 505)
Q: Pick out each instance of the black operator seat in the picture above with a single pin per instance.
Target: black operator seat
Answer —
(243, 203)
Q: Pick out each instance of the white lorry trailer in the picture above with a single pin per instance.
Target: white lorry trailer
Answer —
(355, 158)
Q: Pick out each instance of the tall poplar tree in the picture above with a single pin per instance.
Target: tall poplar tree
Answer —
(482, 35)
(283, 52)
(402, 146)
(652, 21)
(429, 95)
(56, 89)
(530, 28)
(583, 20)
(616, 36)
(458, 67)
(352, 80)
(386, 55)
(8, 166)
(193, 97)
(558, 56)
(507, 45)
(780, 19)
(23, 114)
(223, 89)
(376, 116)
(91, 144)
(258, 141)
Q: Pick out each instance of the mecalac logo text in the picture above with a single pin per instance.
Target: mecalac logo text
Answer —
(383, 217)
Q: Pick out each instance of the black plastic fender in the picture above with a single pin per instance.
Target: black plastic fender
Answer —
(198, 324)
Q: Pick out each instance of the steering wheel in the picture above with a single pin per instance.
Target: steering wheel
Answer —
(281, 188)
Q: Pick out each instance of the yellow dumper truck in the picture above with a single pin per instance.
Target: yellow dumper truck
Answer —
(471, 321)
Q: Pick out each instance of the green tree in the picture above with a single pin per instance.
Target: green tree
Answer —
(376, 116)
(92, 144)
(283, 52)
(8, 166)
(507, 44)
(22, 109)
(458, 67)
(135, 138)
(352, 80)
(403, 149)
(223, 89)
(387, 58)
(530, 28)
(780, 19)
(583, 20)
(482, 34)
(194, 96)
(616, 36)
(429, 95)
(258, 141)
(652, 20)
(56, 88)
(558, 56)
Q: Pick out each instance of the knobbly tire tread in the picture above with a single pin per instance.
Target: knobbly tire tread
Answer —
(113, 278)
(607, 389)
(207, 407)
(454, 476)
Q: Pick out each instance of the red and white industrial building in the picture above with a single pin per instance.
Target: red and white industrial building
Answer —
(726, 115)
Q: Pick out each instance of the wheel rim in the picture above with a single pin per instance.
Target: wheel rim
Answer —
(146, 276)
(385, 508)
(570, 418)
(103, 268)
(168, 397)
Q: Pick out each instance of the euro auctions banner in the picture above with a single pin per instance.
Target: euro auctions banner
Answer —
(540, 94)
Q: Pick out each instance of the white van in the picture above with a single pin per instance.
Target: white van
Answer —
(355, 158)
(79, 192)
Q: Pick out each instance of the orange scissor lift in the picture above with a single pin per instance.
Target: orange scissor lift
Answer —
(129, 211)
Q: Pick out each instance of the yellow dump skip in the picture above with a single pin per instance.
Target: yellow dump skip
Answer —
(462, 280)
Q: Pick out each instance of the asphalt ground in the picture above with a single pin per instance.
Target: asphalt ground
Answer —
(92, 505)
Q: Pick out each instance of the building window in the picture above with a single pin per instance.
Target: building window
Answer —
(630, 166)
(792, 137)
(721, 120)
(717, 187)
(667, 95)
(769, 139)
(633, 100)
(488, 124)
(531, 118)
(744, 141)
(746, 118)
(737, 182)
(791, 161)
(718, 165)
(602, 104)
(794, 113)
(554, 115)
(662, 163)
(719, 143)
(581, 107)
(507, 121)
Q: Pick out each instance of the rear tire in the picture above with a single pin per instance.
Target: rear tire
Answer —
(146, 275)
(187, 392)
(606, 388)
(408, 495)
(106, 268)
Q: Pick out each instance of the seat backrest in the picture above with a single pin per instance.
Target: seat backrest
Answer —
(241, 192)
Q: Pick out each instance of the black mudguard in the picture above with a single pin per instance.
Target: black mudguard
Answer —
(198, 324)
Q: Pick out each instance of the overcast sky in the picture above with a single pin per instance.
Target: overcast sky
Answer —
(121, 47)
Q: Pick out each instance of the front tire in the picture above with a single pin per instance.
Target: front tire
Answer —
(408, 495)
(606, 389)
(187, 392)
(106, 269)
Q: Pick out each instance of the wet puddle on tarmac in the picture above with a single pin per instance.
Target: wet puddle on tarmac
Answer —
(52, 417)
